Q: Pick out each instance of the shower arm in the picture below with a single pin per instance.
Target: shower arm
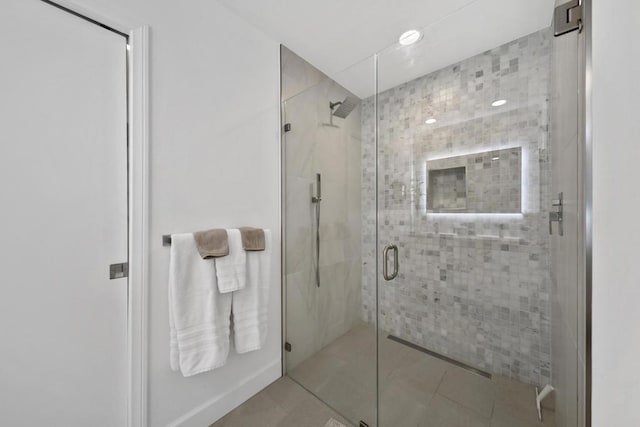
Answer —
(332, 105)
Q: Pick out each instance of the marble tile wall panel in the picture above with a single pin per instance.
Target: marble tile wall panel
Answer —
(316, 316)
(474, 287)
(297, 75)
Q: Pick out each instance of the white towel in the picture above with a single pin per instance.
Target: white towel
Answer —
(250, 305)
(199, 315)
(231, 269)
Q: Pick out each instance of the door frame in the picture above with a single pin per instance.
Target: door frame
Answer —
(585, 142)
(137, 39)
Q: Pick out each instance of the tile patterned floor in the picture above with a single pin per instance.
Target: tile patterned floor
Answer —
(283, 404)
(417, 390)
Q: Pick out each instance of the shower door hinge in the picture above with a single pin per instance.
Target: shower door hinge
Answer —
(287, 347)
(287, 127)
(119, 271)
(567, 18)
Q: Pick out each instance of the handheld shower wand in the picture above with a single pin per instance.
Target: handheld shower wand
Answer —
(317, 199)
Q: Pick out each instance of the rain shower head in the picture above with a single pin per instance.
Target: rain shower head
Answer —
(344, 107)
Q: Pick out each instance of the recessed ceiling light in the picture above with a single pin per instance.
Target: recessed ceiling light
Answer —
(409, 37)
(498, 103)
(430, 121)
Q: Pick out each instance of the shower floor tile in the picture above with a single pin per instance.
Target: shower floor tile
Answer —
(283, 404)
(416, 390)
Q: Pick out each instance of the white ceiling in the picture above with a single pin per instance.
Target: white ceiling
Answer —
(333, 35)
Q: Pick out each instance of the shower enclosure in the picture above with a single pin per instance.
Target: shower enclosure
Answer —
(434, 225)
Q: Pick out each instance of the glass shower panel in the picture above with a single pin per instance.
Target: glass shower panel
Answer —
(330, 344)
(464, 194)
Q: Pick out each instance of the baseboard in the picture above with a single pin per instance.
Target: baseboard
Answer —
(217, 407)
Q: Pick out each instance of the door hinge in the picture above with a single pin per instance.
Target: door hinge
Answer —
(287, 127)
(567, 18)
(119, 271)
(287, 347)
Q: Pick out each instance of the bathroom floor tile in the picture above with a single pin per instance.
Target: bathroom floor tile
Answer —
(442, 412)
(286, 393)
(260, 410)
(311, 412)
(417, 390)
(398, 408)
(516, 398)
(347, 393)
(505, 416)
(315, 371)
(417, 376)
(469, 389)
(282, 404)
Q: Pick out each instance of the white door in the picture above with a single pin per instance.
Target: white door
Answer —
(63, 219)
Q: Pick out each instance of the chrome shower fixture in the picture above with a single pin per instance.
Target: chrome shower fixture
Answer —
(344, 108)
(317, 199)
(341, 109)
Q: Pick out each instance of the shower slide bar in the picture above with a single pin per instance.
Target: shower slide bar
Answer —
(317, 199)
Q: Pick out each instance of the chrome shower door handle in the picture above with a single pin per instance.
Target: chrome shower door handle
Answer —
(396, 263)
(385, 262)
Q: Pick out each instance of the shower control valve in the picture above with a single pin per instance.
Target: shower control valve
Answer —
(557, 216)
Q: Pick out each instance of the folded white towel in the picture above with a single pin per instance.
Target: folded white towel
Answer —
(250, 305)
(231, 270)
(199, 315)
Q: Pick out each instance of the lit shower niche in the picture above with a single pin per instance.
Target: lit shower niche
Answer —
(447, 190)
(486, 182)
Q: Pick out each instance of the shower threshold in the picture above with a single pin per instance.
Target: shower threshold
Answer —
(440, 356)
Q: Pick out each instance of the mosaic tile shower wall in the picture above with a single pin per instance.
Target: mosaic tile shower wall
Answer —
(474, 287)
(489, 182)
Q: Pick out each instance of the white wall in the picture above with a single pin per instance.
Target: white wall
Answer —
(616, 224)
(214, 161)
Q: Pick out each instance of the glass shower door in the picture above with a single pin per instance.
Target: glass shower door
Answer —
(466, 201)
(330, 346)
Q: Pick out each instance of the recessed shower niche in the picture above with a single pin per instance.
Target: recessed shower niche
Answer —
(447, 189)
(487, 182)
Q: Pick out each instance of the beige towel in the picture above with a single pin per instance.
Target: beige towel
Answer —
(212, 243)
(252, 238)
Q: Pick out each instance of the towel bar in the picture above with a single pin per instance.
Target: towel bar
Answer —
(166, 240)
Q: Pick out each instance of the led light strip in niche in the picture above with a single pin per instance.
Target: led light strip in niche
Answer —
(524, 190)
